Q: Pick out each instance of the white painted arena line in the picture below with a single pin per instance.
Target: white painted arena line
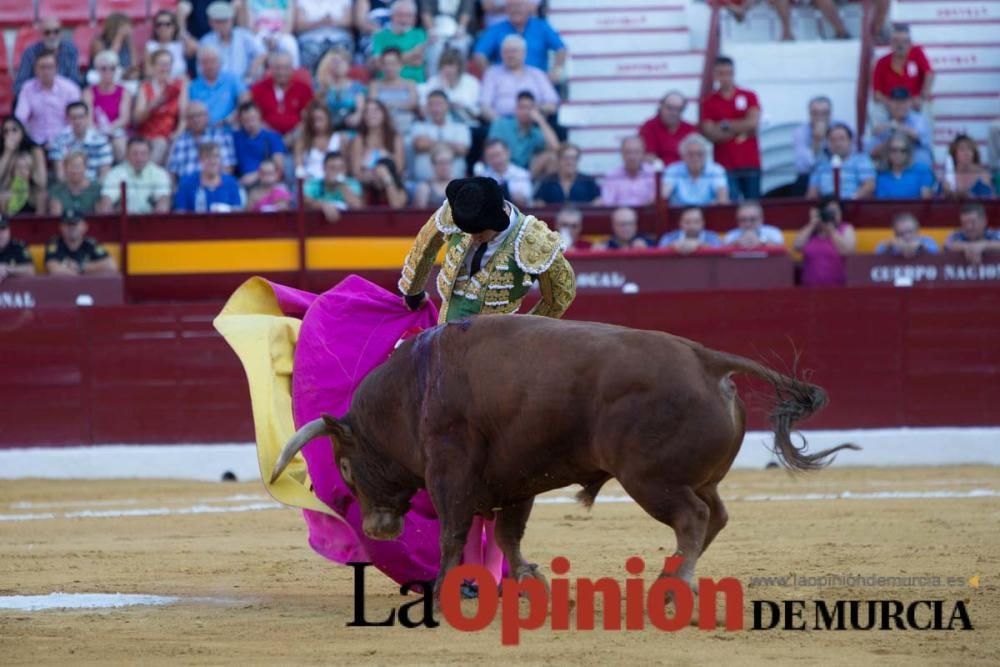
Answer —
(894, 447)
(542, 500)
(80, 601)
(77, 601)
(148, 511)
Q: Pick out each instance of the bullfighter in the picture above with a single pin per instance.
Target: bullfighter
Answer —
(494, 253)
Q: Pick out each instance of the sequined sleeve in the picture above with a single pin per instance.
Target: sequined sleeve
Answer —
(558, 286)
(420, 260)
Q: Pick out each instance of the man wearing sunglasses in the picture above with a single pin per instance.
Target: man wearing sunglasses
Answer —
(67, 56)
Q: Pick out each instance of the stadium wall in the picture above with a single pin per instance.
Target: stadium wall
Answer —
(159, 374)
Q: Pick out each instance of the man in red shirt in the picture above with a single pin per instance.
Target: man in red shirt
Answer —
(664, 132)
(730, 117)
(280, 96)
(905, 67)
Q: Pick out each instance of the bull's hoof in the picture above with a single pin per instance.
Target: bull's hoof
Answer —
(469, 590)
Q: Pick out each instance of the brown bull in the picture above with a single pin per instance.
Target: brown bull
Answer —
(487, 413)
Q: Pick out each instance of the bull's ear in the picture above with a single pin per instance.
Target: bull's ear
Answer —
(339, 431)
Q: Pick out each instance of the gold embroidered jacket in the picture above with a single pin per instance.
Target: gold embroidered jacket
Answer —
(530, 251)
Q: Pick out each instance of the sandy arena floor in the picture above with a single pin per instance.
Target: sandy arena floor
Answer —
(253, 592)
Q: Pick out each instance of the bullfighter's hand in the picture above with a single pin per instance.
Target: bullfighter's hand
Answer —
(413, 301)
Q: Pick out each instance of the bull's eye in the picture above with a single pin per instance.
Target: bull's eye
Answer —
(345, 471)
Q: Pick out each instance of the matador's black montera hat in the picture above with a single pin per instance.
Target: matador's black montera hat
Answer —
(477, 204)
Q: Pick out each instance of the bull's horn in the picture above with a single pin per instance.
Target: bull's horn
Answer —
(313, 429)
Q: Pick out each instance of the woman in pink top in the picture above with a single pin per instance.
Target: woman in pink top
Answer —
(824, 243)
(110, 104)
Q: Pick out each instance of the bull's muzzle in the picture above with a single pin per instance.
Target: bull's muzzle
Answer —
(383, 525)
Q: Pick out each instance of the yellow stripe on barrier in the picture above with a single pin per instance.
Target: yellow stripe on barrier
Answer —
(329, 253)
(244, 256)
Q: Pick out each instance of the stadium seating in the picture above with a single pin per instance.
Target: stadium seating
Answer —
(83, 35)
(135, 10)
(70, 12)
(6, 93)
(14, 13)
(25, 37)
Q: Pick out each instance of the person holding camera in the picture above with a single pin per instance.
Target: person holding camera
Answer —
(825, 241)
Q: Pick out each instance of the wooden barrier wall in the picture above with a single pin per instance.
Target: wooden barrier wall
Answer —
(203, 257)
(160, 373)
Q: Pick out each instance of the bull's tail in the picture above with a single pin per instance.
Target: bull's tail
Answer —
(796, 400)
(313, 429)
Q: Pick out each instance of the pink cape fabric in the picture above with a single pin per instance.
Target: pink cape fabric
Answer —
(346, 332)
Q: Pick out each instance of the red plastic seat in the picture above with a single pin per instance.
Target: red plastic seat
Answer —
(135, 10)
(24, 38)
(4, 61)
(70, 12)
(6, 93)
(157, 5)
(142, 32)
(16, 13)
(83, 35)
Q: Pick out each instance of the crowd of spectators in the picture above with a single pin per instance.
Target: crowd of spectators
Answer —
(377, 104)
(387, 88)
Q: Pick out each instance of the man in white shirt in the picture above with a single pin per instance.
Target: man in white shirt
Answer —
(439, 129)
(515, 181)
(750, 228)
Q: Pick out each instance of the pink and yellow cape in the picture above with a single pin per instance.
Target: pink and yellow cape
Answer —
(304, 355)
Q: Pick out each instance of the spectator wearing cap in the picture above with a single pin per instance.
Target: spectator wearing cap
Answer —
(857, 173)
(906, 240)
(15, 260)
(81, 136)
(691, 234)
(809, 139)
(240, 53)
(633, 183)
(695, 180)
(183, 158)
(76, 191)
(280, 96)
(624, 232)
(974, 237)
(532, 141)
(208, 189)
(438, 130)
(253, 143)
(539, 37)
(73, 253)
(220, 91)
(147, 185)
(66, 54)
(569, 224)
(568, 184)
(41, 104)
(906, 66)
(730, 118)
(902, 118)
(515, 181)
(404, 34)
(663, 133)
(502, 83)
(750, 228)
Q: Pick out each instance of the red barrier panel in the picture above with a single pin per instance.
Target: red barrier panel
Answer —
(160, 374)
